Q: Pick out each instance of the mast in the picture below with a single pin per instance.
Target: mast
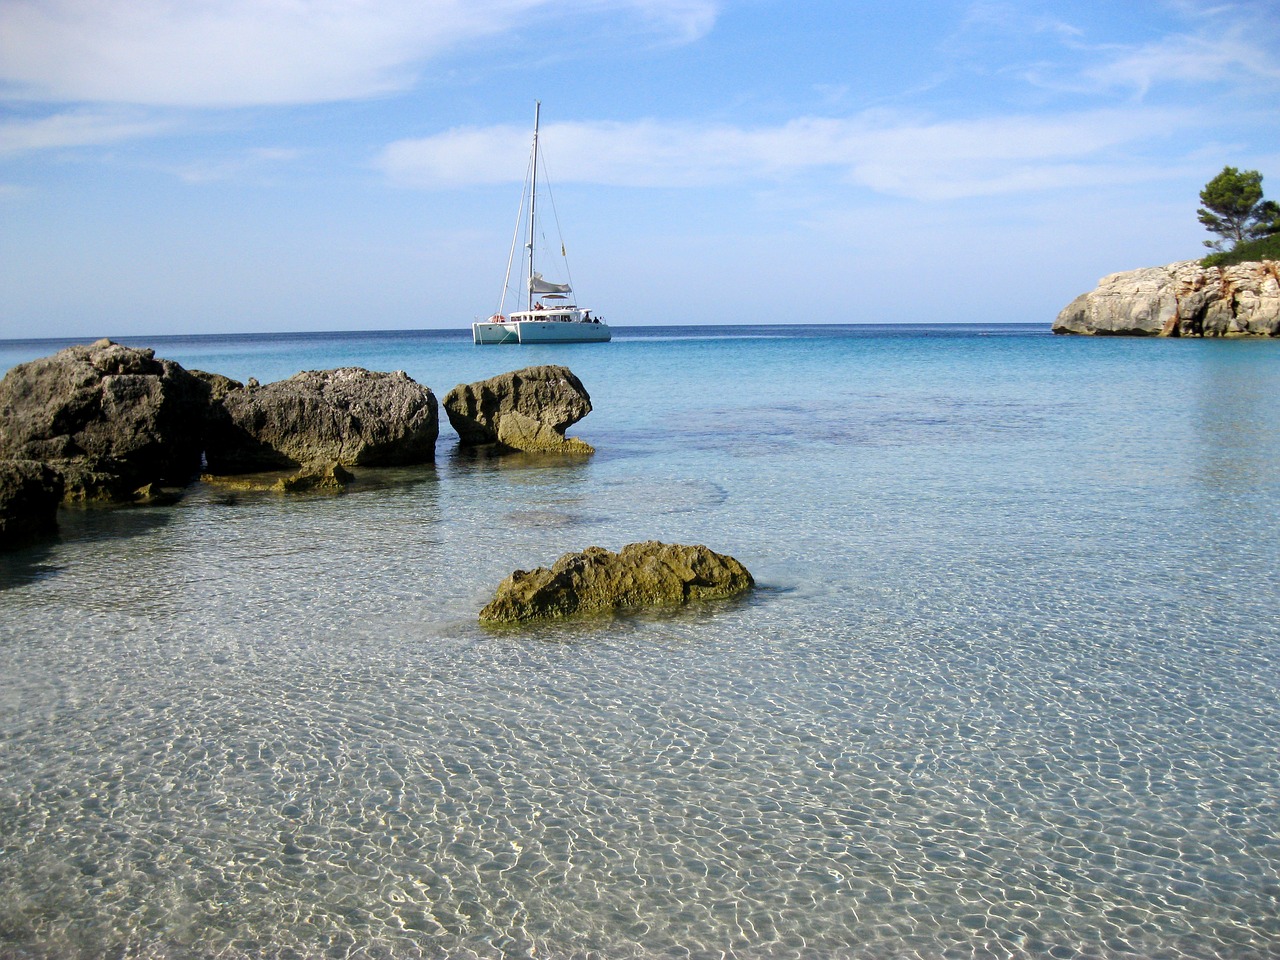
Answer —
(533, 196)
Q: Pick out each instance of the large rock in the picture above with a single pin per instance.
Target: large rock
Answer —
(349, 416)
(1182, 299)
(595, 580)
(527, 409)
(29, 496)
(110, 418)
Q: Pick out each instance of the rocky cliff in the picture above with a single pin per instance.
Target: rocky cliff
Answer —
(1180, 300)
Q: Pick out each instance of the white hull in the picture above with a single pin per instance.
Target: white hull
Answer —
(540, 331)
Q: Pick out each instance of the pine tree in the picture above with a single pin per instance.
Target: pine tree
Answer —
(1234, 208)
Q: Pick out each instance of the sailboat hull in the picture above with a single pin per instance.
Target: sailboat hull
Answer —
(541, 331)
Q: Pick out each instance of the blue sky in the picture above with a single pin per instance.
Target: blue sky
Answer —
(186, 166)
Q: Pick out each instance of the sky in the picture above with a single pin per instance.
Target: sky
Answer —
(210, 166)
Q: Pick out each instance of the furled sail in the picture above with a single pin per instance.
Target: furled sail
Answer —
(538, 285)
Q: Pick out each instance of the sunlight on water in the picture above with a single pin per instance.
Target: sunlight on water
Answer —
(1008, 687)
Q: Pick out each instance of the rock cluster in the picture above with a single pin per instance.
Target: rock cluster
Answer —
(1182, 299)
(527, 410)
(114, 423)
(119, 424)
(597, 580)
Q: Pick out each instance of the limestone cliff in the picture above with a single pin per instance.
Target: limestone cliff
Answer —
(1182, 299)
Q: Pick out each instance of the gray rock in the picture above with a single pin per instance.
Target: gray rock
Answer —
(1182, 299)
(29, 496)
(527, 409)
(110, 418)
(219, 386)
(596, 580)
(349, 416)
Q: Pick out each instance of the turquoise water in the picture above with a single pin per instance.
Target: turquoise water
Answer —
(1008, 687)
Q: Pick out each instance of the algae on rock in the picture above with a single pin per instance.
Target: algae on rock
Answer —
(597, 580)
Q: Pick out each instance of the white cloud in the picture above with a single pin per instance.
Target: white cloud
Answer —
(240, 52)
(74, 129)
(918, 159)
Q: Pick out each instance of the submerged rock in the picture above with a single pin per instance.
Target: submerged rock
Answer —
(322, 477)
(1182, 299)
(349, 416)
(527, 410)
(29, 496)
(314, 477)
(152, 494)
(596, 580)
(110, 418)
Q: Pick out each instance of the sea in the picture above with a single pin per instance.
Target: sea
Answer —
(1008, 685)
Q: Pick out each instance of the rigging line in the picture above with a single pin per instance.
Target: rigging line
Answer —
(515, 235)
(546, 180)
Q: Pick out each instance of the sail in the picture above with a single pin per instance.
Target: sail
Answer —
(538, 285)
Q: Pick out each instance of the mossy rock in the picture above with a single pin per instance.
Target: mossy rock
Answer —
(649, 574)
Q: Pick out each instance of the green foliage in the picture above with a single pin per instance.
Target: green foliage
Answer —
(1234, 208)
(1267, 248)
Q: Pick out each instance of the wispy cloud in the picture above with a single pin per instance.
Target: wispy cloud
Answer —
(244, 52)
(922, 159)
(1230, 44)
(249, 162)
(73, 129)
(1231, 54)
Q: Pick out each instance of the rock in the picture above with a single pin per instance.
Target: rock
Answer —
(595, 580)
(527, 409)
(349, 416)
(29, 496)
(153, 494)
(324, 477)
(1182, 299)
(219, 386)
(110, 418)
(329, 477)
(244, 482)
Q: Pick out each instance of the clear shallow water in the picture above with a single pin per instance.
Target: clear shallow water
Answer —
(1009, 687)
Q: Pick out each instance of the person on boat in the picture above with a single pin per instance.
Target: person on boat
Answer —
(539, 306)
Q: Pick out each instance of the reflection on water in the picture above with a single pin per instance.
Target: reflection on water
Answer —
(1008, 690)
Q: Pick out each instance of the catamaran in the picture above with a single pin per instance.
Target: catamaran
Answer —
(549, 314)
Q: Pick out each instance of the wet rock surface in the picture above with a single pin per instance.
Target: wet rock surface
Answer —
(312, 478)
